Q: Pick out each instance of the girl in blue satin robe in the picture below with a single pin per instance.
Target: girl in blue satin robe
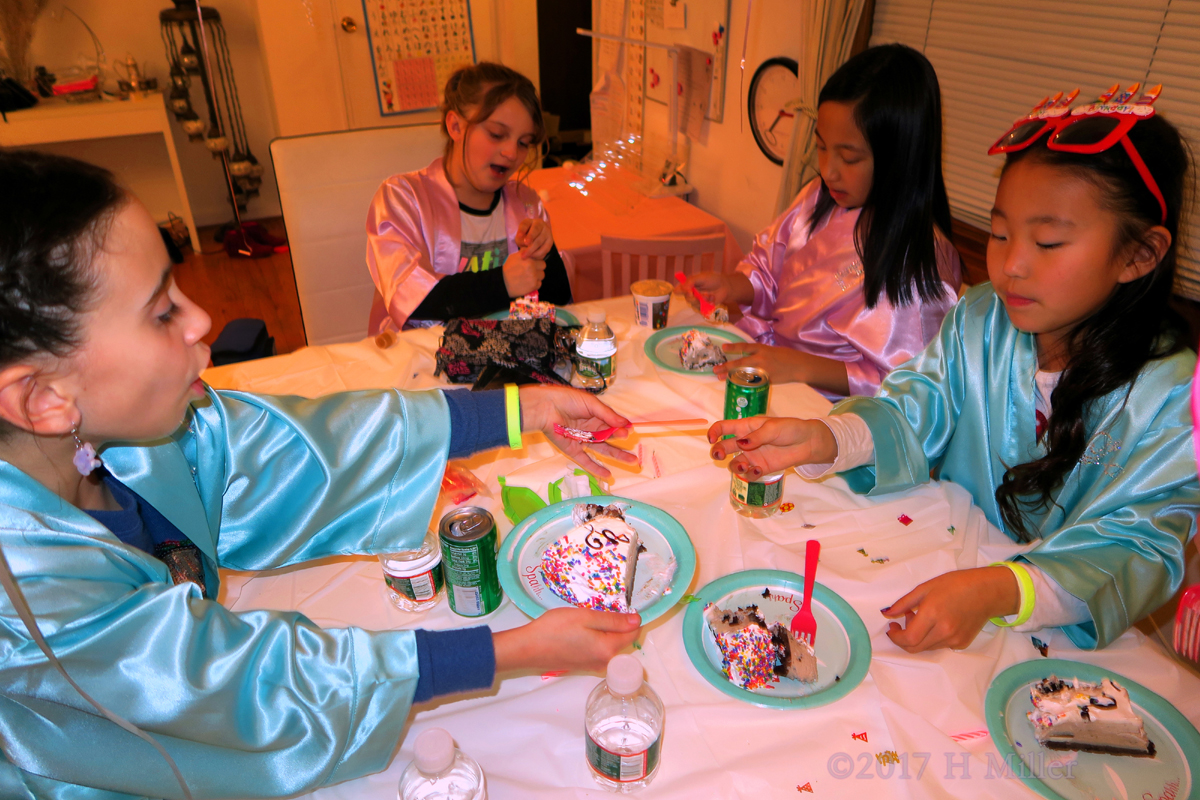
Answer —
(1057, 395)
(110, 575)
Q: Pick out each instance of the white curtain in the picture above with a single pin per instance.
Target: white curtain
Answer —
(828, 34)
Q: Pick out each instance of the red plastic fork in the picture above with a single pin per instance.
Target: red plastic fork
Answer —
(804, 625)
(1187, 624)
(706, 307)
(601, 435)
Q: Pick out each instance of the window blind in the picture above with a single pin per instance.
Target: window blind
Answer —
(996, 59)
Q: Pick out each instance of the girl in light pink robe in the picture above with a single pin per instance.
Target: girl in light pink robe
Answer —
(855, 277)
(460, 238)
(808, 296)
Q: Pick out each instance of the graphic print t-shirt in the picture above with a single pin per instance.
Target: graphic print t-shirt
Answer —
(484, 241)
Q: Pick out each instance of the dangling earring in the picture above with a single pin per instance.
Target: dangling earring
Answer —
(85, 459)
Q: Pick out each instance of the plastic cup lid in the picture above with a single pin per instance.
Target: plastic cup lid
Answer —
(651, 289)
(624, 675)
(434, 751)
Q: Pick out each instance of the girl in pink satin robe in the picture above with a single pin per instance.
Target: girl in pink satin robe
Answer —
(855, 277)
(459, 238)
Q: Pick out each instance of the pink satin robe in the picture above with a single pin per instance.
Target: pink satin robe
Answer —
(414, 236)
(808, 296)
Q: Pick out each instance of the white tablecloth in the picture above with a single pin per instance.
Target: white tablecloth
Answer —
(527, 733)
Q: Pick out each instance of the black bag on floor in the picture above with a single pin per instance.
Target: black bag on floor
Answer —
(242, 340)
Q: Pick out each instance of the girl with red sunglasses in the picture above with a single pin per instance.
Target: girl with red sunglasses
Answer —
(1057, 394)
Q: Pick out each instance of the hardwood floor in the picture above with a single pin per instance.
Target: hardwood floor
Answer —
(230, 288)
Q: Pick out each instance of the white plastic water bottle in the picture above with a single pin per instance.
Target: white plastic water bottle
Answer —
(597, 349)
(440, 771)
(624, 725)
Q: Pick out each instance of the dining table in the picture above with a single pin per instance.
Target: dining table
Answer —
(585, 201)
(914, 726)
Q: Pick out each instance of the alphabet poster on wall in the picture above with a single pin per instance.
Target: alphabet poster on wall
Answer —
(415, 46)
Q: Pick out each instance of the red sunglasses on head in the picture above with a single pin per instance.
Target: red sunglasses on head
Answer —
(1088, 129)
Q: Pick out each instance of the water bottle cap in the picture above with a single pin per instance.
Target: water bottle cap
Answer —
(624, 675)
(597, 315)
(433, 751)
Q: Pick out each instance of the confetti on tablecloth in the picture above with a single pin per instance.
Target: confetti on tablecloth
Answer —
(905, 519)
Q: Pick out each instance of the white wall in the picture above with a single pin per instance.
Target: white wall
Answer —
(305, 61)
(733, 179)
(130, 27)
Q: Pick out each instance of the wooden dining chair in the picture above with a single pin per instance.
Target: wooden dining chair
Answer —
(670, 254)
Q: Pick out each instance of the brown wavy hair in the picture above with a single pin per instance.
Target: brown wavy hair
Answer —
(482, 88)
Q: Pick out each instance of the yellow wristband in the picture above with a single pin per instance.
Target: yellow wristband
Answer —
(1025, 583)
(512, 413)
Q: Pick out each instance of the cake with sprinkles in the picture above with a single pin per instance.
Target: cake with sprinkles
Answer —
(593, 565)
(755, 655)
(528, 307)
(696, 351)
(1088, 717)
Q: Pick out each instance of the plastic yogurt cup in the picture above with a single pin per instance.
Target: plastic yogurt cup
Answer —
(651, 301)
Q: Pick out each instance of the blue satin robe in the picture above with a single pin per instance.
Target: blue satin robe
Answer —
(1116, 533)
(254, 704)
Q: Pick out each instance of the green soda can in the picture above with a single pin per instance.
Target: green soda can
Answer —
(469, 546)
(746, 391)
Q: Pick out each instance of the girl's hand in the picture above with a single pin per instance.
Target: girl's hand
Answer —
(783, 364)
(566, 638)
(722, 288)
(786, 365)
(535, 238)
(522, 275)
(542, 406)
(950, 610)
(769, 444)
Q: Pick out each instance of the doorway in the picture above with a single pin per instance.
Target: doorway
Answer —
(565, 73)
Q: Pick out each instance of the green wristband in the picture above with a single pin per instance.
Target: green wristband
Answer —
(512, 413)
(1025, 582)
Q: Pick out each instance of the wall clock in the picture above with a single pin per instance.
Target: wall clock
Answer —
(775, 84)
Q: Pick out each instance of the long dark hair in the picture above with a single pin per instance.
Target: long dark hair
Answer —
(54, 213)
(1110, 348)
(898, 108)
(486, 85)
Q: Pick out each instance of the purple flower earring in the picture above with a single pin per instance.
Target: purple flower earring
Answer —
(85, 459)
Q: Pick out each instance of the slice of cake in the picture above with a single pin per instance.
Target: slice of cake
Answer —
(696, 351)
(755, 655)
(593, 565)
(529, 308)
(1087, 717)
(718, 314)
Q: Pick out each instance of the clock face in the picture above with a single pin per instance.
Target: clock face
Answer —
(774, 85)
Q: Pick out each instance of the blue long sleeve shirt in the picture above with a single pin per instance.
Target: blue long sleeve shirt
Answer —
(450, 661)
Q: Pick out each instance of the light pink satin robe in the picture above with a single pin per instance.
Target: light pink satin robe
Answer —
(414, 236)
(808, 296)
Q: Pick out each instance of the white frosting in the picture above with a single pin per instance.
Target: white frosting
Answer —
(592, 566)
(1086, 714)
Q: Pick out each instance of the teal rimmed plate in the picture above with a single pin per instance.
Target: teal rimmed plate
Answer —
(561, 316)
(665, 539)
(843, 647)
(1065, 775)
(662, 348)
